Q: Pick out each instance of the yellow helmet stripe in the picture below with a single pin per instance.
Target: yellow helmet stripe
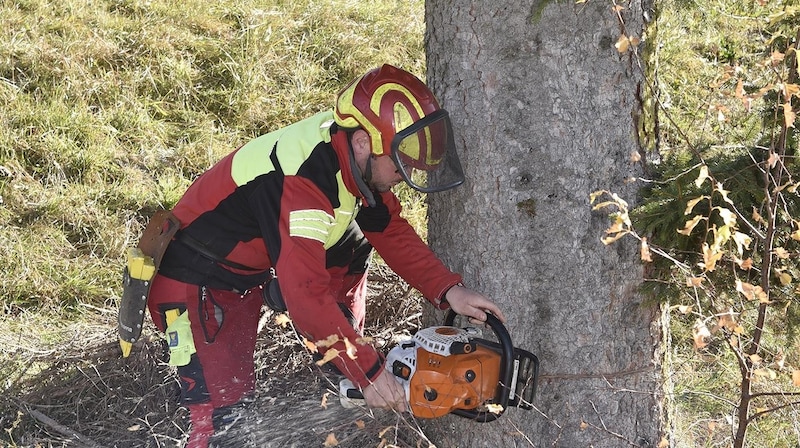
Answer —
(377, 98)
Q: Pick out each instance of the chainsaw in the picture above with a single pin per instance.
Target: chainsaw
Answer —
(451, 370)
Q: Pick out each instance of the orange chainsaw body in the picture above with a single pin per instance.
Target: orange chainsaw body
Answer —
(444, 383)
(446, 369)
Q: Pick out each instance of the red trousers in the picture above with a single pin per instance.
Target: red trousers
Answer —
(224, 326)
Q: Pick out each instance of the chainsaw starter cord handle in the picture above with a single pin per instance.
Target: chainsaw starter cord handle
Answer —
(506, 369)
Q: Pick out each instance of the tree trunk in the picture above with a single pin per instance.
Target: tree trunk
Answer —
(544, 110)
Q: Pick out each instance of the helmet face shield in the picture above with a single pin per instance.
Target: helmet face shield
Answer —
(425, 154)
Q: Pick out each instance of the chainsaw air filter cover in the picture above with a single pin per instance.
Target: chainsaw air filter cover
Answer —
(443, 369)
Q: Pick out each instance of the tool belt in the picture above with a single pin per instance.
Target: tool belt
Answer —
(142, 264)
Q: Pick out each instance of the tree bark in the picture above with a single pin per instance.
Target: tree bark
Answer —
(545, 111)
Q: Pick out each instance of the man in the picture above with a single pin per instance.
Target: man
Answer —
(291, 218)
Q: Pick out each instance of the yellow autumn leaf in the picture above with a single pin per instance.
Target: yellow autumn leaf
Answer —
(796, 235)
(710, 257)
(746, 289)
(134, 428)
(365, 340)
(785, 279)
(765, 373)
(723, 192)
(645, 251)
(691, 204)
(721, 235)
(350, 349)
(310, 345)
(584, 425)
(616, 227)
(623, 43)
(331, 441)
(788, 115)
(691, 224)
(329, 341)
(746, 264)
(663, 443)
(494, 408)
(635, 156)
(685, 309)
(694, 282)
(728, 217)
(773, 159)
(782, 253)
(790, 89)
(702, 177)
(742, 241)
(757, 216)
(331, 354)
(324, 402)
(796, 378)
(701, 335)
(611, 239)
(360, 424)
(752, 292)
(728, 320)
(282, 320)
(596, 194)
(755, 359)
(793, 188)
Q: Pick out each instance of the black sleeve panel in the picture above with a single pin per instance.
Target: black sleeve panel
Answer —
(374, 219)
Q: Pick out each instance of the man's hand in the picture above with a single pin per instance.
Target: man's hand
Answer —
(386, 392)
(472, 304)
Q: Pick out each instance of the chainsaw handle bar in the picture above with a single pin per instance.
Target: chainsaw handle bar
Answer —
(506, 369)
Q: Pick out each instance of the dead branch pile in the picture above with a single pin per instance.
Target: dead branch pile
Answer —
(88, 395)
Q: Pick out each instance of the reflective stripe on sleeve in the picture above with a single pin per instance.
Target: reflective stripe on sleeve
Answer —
(311, 224)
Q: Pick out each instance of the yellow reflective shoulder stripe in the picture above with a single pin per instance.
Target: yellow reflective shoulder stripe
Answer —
(295, 142)
(252, 159)
(300, 139)
(311, 224)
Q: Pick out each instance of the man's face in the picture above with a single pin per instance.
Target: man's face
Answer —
(385, 174)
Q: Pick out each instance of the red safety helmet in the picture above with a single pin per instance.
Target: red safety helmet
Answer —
(404, 120)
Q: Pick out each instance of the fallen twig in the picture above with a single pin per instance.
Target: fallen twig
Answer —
(58, 427)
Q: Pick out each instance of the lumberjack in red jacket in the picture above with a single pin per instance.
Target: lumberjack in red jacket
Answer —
(293, 216)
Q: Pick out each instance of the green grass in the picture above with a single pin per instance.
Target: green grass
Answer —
(112, 108)
(704, 49)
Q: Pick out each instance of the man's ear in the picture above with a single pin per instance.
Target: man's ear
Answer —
(362, 146)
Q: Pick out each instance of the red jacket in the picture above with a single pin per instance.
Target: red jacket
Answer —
(279, 202)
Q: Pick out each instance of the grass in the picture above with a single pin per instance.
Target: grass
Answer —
(111, 109)
(704, 49)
